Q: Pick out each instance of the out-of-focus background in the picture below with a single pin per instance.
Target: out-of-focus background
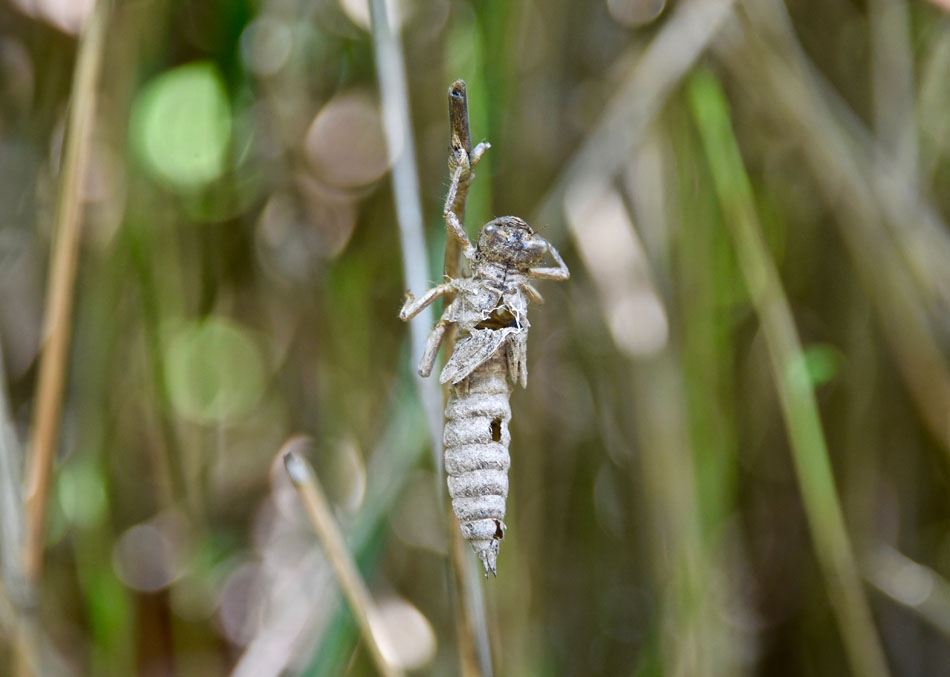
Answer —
(752, 198)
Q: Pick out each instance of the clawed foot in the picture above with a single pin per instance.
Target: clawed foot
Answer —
(458, 157)
(409, 300)
(467, 161)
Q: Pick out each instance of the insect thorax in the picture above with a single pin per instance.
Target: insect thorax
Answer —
(494, 294)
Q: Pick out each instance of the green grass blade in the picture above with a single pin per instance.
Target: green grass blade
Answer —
(809, 450)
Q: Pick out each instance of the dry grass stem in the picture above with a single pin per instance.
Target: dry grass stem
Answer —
(474, 646)
(58, 319)
(458, 128)
(60, 289)
(396, 452)
(470, 618)
(351, 583)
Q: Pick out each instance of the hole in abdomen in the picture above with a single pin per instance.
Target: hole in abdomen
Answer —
(496, 430)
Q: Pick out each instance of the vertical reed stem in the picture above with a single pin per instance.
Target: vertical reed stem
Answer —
(474, 646)
(57, 320)
(809, 450)
(61, 287)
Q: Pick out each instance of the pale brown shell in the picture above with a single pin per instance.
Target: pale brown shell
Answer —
(476, 442)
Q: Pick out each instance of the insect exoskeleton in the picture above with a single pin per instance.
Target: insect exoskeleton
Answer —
(476, 442)
(490, 313)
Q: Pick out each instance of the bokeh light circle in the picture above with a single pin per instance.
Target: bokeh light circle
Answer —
(181, 126)
(214, 371)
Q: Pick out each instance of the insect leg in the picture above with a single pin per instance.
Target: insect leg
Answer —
(434, 341)
(461, 172)
(559, 273)
(413, 306)
(478, 151)
(533, 294)
(456, 230)
(517, 354)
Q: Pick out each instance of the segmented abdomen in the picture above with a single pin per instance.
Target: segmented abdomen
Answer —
(476, 455)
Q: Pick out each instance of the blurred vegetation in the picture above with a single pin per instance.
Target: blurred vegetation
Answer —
(733, 456)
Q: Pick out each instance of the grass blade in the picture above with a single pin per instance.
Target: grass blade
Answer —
(809, 450)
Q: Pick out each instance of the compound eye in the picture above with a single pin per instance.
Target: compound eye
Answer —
(490, 229)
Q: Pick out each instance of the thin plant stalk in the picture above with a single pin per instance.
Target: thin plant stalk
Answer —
(351, 583)
(61, 287)
(459, 126)
(57, 321)
(397, 450)
(58, 314)
(397, 126)
(809, 450)
(475, 655)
